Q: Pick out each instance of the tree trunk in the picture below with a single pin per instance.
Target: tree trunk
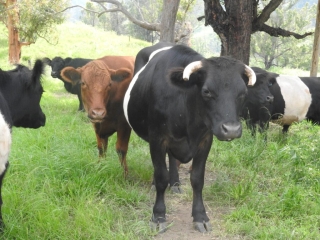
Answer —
(316, 43)
(13, 21)
(168, 20)
(233, 26)
(239, 30)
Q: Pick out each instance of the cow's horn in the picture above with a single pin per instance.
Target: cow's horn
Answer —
(191, 68)
(251, 75)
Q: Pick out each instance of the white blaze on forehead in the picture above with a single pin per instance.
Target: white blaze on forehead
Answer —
(296, 96)
(5, 143)
(133, 81)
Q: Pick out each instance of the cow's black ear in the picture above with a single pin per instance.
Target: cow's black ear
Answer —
(176, 78)
(120, 74)
(71, 75)
(47, 61)
(67, 60)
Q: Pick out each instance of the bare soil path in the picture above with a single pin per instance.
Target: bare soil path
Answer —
(179, 214)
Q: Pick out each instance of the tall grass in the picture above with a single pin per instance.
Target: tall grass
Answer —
(58, 188)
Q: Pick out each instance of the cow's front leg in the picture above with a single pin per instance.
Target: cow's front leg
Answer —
(174, 181)
(161, 180)
(102, 141)
(102, 144)
(123, 136)
(200, 218)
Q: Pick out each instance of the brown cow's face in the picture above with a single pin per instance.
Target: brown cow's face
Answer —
(95, 90)
(99, 84)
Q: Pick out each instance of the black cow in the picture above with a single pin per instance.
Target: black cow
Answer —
(258, 104)
(58, 63)
(22, 90)
(295, 99)
(177, 102)
(20, 94)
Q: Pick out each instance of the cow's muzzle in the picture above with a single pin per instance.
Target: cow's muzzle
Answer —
(229, 131)
(97, 115)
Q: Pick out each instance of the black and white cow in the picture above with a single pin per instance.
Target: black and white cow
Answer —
(295, 99)
(177, 102)
(58, 63)
(22, 90)
(5, 143)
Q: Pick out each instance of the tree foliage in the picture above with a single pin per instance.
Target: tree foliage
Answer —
(282, 51)
(37, 18)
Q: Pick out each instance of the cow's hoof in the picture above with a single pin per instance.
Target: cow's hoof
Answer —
(176, 189)
(203, 226)
(158, 227)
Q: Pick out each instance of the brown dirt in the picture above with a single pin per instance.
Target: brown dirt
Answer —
(179, 214)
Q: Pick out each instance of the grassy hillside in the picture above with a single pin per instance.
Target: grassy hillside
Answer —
(58, 188)
(75, 40)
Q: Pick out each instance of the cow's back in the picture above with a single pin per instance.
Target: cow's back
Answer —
(296, 97)
(152, 98)
(116, 62)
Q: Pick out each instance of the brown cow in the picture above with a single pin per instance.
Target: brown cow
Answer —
(103, 84)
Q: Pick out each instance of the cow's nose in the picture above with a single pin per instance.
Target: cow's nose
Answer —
(269, 99)
(98, 113)
(231, 130)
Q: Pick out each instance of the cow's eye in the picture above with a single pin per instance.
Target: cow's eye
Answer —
(206, 93)
(270, 84)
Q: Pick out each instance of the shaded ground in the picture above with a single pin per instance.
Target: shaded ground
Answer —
(179, 214)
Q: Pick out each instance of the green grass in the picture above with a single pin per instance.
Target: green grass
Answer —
(58, 188)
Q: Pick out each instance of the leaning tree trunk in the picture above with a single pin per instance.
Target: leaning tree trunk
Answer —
(168, 20)
(13, 33)
(233, 29)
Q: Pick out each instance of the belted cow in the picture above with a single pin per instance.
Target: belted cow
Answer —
(295, 99)
(177, 102)
(103, 84)
(58, 63)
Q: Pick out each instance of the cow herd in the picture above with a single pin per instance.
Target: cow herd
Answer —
(172, 97)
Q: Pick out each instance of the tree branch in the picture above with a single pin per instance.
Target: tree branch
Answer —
(88, 10)
(120, 8)
(215, 14)
(266, 12)
(276, 32)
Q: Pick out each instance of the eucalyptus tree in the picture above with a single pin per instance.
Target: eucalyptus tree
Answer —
(29, 20)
